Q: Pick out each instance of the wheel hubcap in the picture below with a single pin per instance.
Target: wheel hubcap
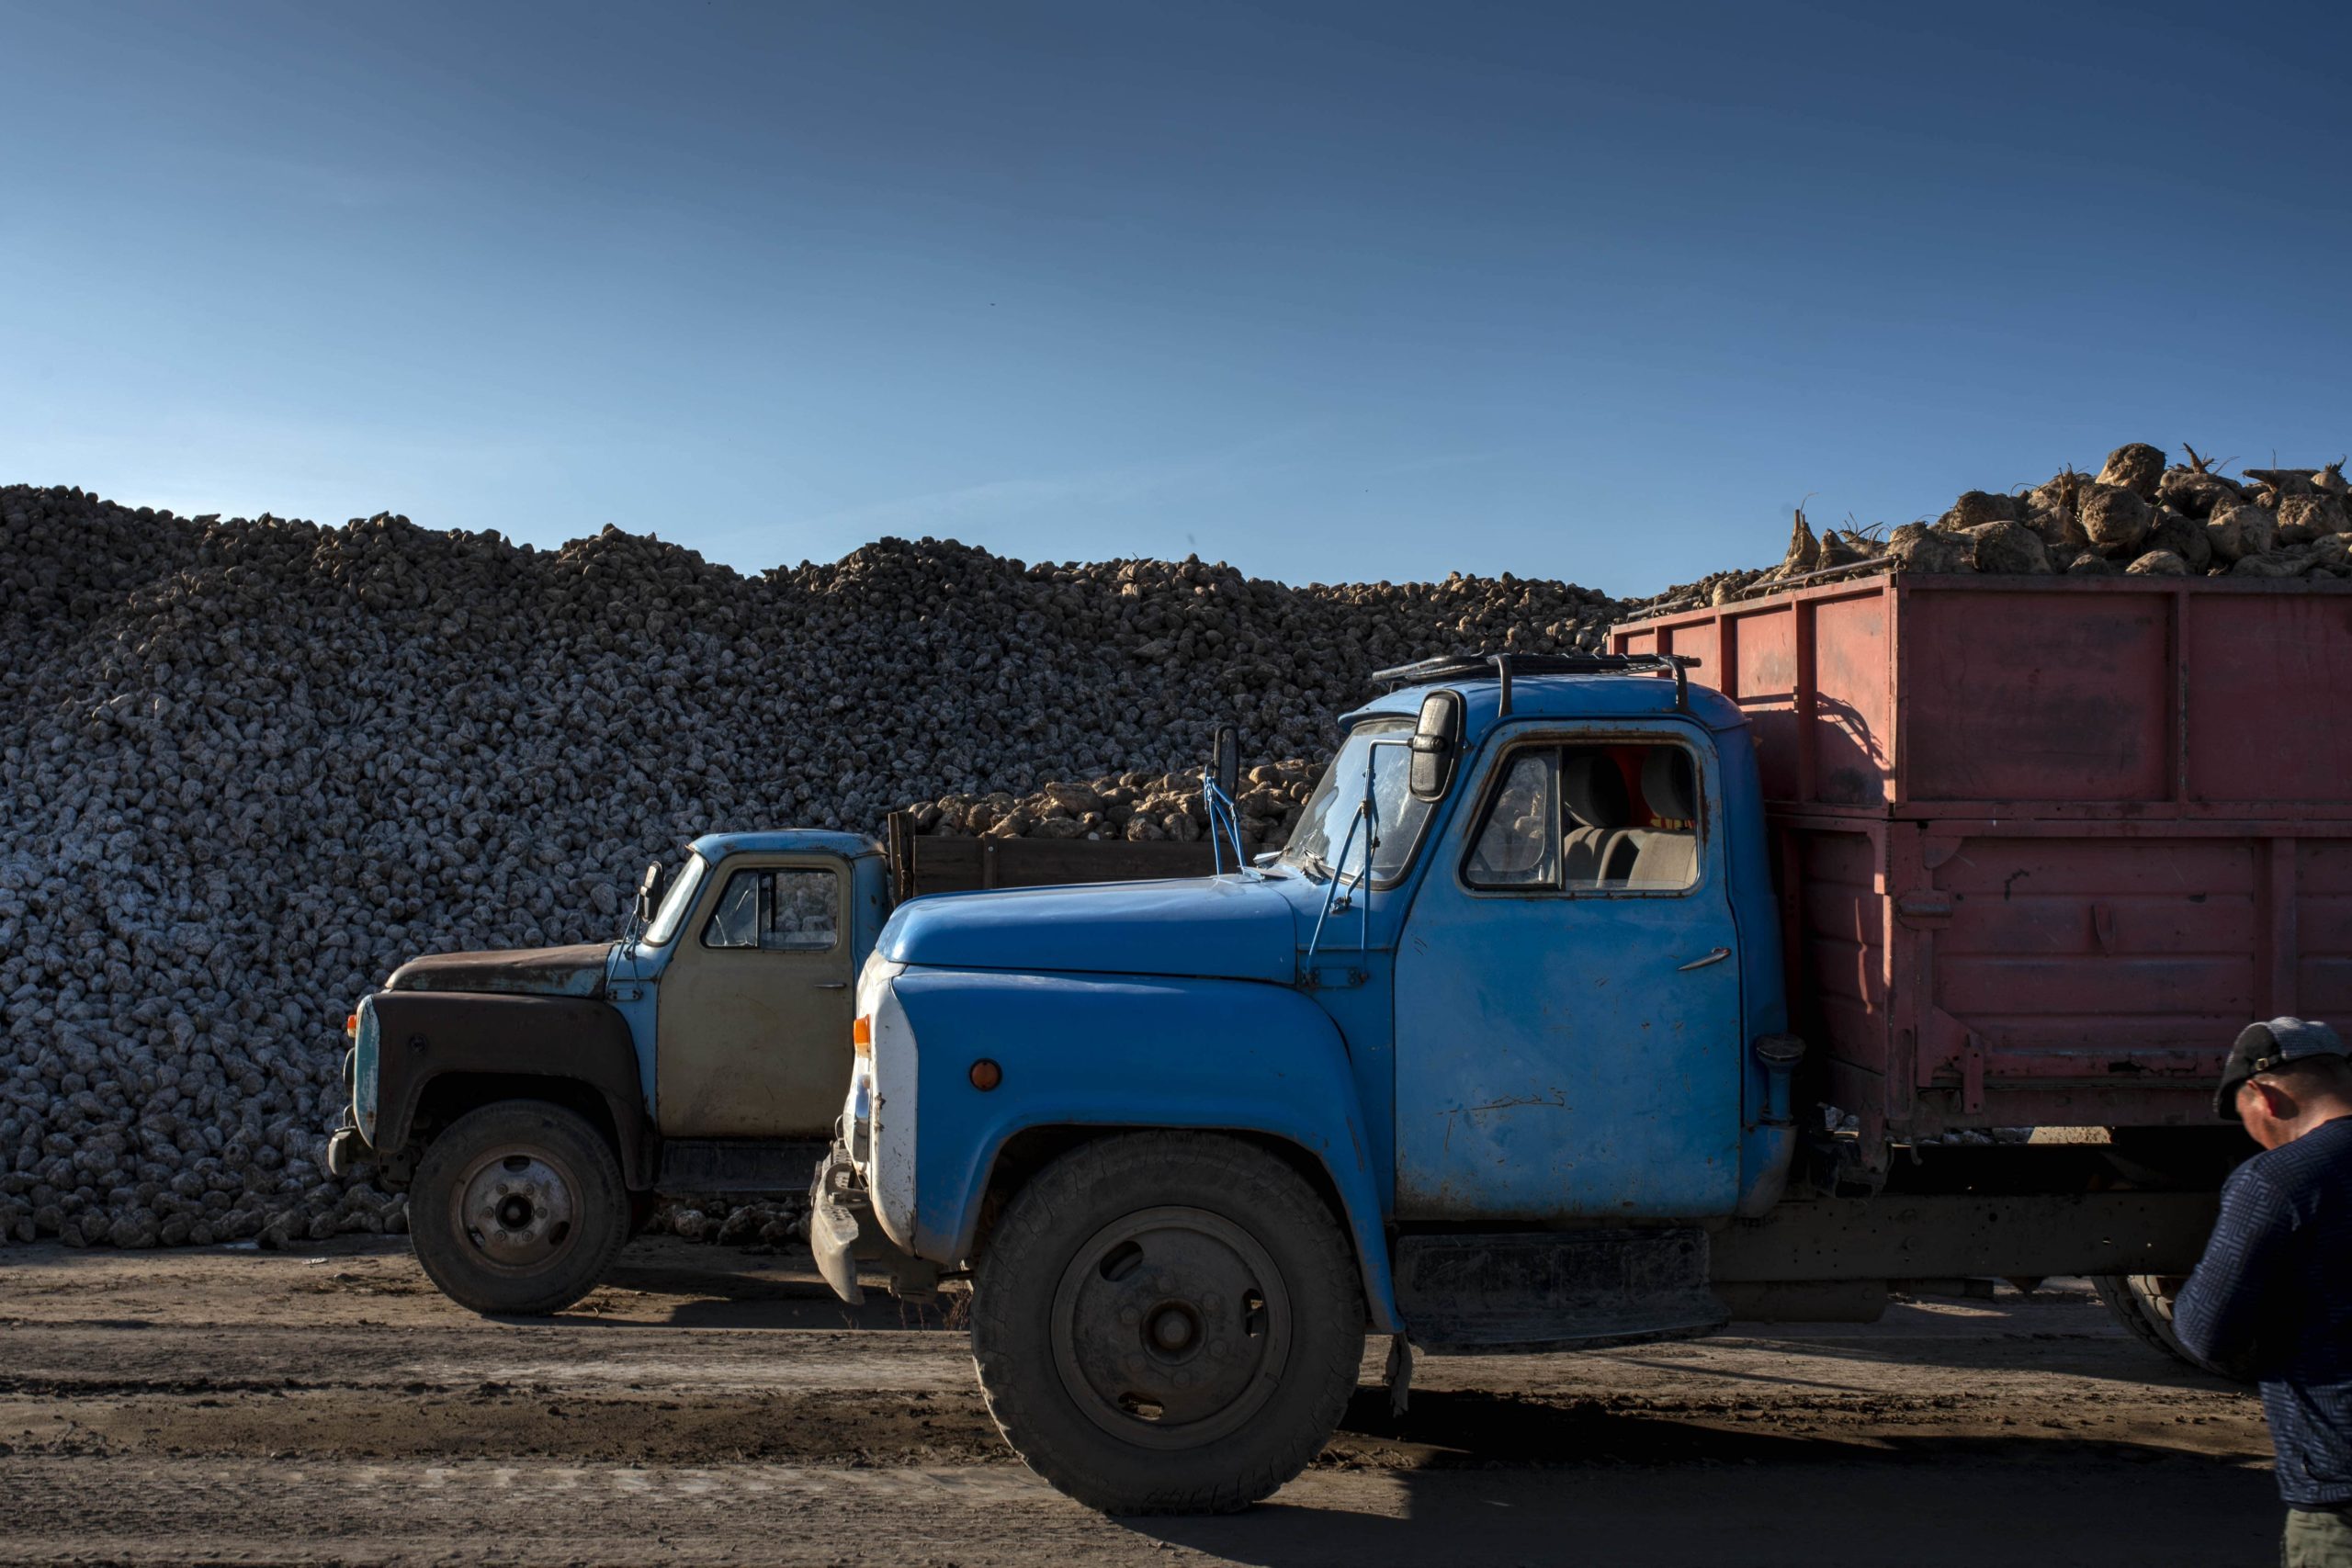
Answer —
(515, 1207)
(1171, 1328)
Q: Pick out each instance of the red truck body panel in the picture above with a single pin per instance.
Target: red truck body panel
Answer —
(2045, 844)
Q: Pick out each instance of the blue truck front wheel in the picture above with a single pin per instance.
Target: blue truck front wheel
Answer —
(1167, 1323)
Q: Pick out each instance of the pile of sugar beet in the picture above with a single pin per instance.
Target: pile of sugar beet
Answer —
(247, 766)
(1136, 805)
(2136, 516)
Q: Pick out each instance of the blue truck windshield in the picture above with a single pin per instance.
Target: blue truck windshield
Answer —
(1322, 828)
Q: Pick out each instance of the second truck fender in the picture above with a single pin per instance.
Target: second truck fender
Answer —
(1116, 1051)
(426, 1034)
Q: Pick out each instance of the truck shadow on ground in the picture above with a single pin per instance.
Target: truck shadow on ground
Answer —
(1477, 1429)
(664, 1293)
(2053, 1355)
(1474, 1476)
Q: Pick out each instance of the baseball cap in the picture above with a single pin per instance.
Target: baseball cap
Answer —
(2264, 1046)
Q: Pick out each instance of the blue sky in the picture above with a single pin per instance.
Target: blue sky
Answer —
(1334, 292)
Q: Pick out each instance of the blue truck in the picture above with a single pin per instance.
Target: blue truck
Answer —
(1495, 1055)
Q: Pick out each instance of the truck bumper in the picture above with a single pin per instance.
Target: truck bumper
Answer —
(842, 1234)
(348, 1151)
(838, 1210)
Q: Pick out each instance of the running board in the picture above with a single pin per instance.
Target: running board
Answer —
(1524, 1290)
(743, 1167)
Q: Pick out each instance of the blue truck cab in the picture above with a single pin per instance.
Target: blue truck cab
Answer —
(1476, 1061)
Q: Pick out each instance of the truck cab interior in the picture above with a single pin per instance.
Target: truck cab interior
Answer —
(1595, 816)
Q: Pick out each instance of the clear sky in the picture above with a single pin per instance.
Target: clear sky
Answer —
(1344, 291)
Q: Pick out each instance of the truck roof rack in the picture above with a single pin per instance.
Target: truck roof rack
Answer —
(1504, 666)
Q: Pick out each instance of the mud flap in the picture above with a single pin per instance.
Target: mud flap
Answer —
(1399, 1375)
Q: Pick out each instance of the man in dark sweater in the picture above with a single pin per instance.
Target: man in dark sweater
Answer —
(2272, 1298)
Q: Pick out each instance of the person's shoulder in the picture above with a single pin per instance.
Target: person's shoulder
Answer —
(2252, 1181)
(2322, 1156)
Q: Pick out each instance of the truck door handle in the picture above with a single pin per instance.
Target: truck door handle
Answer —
(1712, 955)
(832, 985)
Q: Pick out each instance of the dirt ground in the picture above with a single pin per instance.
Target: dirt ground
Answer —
(328, 1406)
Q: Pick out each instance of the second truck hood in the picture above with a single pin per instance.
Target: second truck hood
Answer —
(526, 970)
(1218, 928)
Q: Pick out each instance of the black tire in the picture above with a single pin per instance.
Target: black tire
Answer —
(2142, 1303)
(1167, 1323)
(517, 1208)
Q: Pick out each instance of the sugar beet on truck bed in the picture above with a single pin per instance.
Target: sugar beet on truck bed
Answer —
(2044, 845)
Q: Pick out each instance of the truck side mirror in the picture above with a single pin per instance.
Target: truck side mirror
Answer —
(1437, 743)
(649, 890)
(1225, 760)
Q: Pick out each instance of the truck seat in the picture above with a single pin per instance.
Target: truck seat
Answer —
(1595, 849)
(1668, 856)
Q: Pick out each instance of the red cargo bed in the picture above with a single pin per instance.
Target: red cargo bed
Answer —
(2045, 844)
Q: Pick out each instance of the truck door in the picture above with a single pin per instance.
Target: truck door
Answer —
(752, 1027)
(1567, 989)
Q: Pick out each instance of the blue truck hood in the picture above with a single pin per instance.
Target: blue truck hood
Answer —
(1209, 928)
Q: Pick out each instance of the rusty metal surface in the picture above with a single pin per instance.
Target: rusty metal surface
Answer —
(2045, 845)
(576, 971)
(2145, 697)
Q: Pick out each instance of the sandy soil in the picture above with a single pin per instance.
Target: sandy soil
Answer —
(330, 1407)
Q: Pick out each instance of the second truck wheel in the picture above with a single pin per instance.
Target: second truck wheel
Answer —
(518, 1208)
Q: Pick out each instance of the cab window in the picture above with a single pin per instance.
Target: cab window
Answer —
(778, 909)
(1599, 817)
(1519, 846)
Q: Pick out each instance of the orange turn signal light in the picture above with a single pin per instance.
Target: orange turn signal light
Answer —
(861, 1036)
(986, 1075)
(351, 1027)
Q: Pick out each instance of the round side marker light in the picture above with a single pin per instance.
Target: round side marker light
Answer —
(986, 1075)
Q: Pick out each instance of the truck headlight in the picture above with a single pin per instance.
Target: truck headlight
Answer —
(364, 1036)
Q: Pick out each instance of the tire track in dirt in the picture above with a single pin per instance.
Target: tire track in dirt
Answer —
(1963, 1516)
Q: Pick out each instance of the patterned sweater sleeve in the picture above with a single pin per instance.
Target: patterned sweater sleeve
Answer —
(2218, 1314)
